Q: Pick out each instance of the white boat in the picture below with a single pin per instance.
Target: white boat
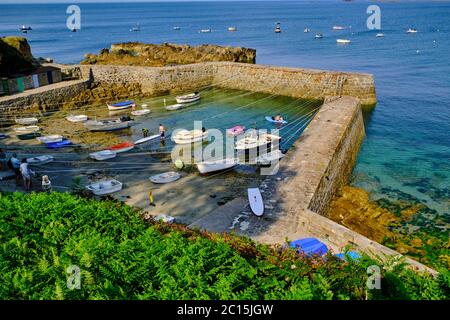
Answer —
(306, 30)
(40, 160)
(105, 187)
(343, 41)
(27, 129)
(186, 136)
(146, 139)
(318, 36)
(26, 121)
(176, 28)
(205, 30)
(379, 35)
(141, 112)
(102, 155)
(188, 98)
(232, 29)
(174, 107)
(121, 105)
(268, 158)
(411, 30)
(216, 165)
(50, 138)
(165, 177)
(77, 118)
(256, 201)
(338, 28)
(255, 140)
(108, 125)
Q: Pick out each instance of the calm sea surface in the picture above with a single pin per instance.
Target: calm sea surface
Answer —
(406, 154)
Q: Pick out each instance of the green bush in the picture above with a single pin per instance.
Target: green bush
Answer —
(121, 256)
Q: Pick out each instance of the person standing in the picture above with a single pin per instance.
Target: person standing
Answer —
(162, 132)
(14, 164)
(145, 132)
(26, 174)
(3, 160)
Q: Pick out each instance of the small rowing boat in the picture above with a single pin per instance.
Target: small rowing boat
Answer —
(269, 158)
(186, 136)
(102, 155)
(121, 105)
(141, 112)
(216, 165)
(109, 125)
(105, 187)
(40, 160)
(318, 36)
(236, 130)
(60, 144)
(165, 177)
(188, 98)
(77, 118)
(257, 140)
(26, 121)
(232, 29)
(27, 129)
(411, 30)
(122, 147)
(272, 119)
(380, 35)
(29, 135)
(50, 138)
(256, 201)
(174, 107)
(146, 139)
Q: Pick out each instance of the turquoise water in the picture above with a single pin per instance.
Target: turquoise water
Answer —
(406, 154)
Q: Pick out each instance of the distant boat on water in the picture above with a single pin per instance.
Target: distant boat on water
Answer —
(343, 41)
(411, 30)
(380, 35)
(318, 36)
(277, 28)
(306, 30)
(136, 28)
(25, 29)
(176, 28)
(205, 30)
(232, 29)
(338, 28)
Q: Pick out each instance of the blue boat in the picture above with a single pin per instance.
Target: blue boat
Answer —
(351, 254)
(59, 144)
(268, 118)
(309, 246)
(122, 105)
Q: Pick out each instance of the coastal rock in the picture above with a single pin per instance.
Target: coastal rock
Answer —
(156, 55)
(15, 56)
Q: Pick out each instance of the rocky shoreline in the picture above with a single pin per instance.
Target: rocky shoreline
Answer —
(166, 54)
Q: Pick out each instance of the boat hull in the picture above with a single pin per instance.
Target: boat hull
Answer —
(103, 155)
(213, 166)
(106, 187)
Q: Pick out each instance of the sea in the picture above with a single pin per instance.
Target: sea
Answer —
(406, 153)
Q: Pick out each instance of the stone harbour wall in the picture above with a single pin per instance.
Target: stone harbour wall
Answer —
(293, 82)
(33, 101)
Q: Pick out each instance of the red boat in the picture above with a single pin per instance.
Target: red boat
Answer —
(122, 147)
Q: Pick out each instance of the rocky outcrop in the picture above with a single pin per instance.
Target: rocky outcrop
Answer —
(15, 56)
(157, 55)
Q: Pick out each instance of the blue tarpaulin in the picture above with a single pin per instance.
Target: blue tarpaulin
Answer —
(351, 254)
(309, 246)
